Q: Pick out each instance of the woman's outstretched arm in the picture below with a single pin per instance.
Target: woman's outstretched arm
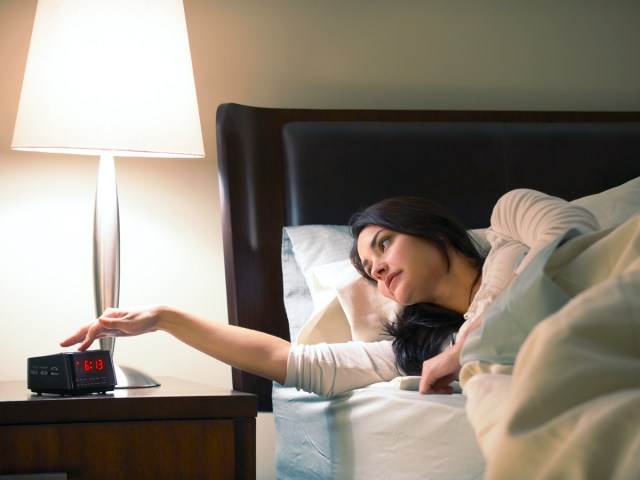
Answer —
(248, 350)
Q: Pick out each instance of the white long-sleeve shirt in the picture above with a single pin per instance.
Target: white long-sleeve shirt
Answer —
(522, 223)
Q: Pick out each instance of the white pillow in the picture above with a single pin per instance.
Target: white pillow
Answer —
(304, 248)
(614, 206)
(347, 307)
(326, 299)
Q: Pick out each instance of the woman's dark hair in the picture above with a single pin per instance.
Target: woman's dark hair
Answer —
(422, 330)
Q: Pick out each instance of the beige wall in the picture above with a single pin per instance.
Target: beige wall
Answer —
(421, 54)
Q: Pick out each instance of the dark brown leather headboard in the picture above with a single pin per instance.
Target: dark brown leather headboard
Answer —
(292, 166)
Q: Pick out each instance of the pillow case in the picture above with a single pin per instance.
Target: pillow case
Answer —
(346, 307)
(614, 206)
(304, 248)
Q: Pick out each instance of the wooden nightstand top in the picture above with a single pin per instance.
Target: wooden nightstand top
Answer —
(174, 400)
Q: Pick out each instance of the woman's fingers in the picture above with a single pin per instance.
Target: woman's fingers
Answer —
(87, 335)
(115, 322)
(439, 385)
(439, 371)
(77, 337)
(448, 390)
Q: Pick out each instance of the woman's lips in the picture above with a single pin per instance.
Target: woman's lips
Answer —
(389, 280)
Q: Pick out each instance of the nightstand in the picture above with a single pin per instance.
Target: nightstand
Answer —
(180, 430)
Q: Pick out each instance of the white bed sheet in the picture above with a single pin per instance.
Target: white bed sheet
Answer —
(377, 432)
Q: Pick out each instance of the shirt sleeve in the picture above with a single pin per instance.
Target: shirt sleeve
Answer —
(523, 222)
(330, 369)
(534, 219)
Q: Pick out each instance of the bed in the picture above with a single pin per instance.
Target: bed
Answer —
(289, 181)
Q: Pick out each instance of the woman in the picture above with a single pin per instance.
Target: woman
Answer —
(523, 223)
(435, 282)
(420, 256)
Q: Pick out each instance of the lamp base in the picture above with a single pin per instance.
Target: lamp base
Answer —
(129, 377)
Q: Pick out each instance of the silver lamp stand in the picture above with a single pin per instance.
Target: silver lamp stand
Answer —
(106, 264)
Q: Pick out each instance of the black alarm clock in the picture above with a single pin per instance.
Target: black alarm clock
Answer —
(72, 373)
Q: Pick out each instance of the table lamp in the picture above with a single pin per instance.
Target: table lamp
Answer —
(109, 78)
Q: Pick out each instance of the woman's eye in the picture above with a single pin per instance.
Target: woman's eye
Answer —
(384, 243)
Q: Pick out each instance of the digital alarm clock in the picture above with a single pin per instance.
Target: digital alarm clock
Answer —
(72, 373)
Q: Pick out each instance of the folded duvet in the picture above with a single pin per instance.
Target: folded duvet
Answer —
(560, 398)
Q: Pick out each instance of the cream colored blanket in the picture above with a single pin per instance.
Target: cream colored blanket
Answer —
(555, 394)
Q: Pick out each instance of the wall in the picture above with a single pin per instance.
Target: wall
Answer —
(288, 53)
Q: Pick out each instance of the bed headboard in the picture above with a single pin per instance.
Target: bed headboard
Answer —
(282, 167)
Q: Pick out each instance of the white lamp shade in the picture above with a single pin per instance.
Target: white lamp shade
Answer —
(109, 76)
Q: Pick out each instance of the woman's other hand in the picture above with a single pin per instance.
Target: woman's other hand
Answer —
(438, 372)
(116, 322)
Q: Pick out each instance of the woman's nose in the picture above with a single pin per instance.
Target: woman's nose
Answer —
(379, 270)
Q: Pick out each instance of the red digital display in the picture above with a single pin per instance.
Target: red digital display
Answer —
(89, 365)
(92, 365)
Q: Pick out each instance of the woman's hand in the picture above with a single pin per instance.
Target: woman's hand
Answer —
(439, 371)
(117, 322)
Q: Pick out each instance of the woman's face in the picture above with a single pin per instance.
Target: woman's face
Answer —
(407, 269)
